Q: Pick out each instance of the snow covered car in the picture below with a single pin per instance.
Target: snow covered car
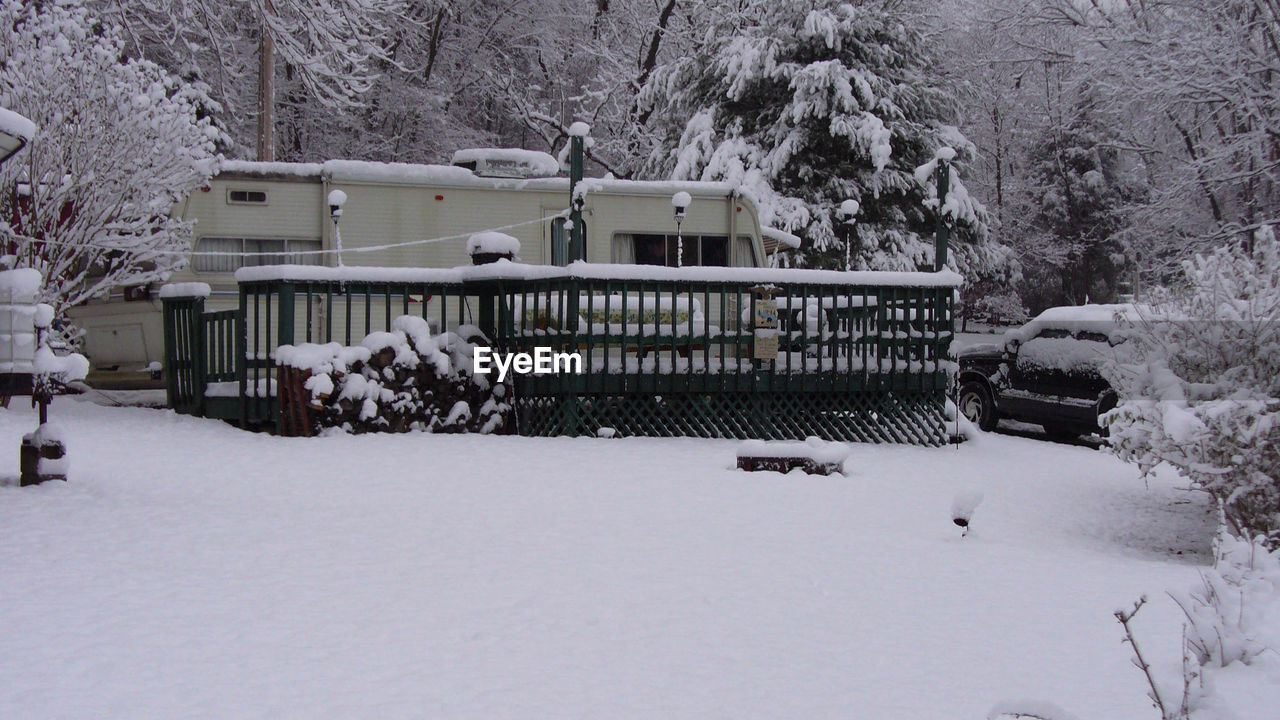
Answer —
(1045, 372)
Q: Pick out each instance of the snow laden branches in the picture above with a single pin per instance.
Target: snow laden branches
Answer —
(808, 108)
(119, 142)
(1200, 384)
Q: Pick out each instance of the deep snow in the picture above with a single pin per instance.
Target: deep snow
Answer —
(189, 569)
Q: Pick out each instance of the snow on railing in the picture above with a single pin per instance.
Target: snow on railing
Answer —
(505, 270)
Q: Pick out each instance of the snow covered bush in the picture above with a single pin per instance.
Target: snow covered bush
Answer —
(1200, 384)
(1229, 624)
(809, 105)
(398, 381)
(1227, 612)
(1003, 309)
(119, 142)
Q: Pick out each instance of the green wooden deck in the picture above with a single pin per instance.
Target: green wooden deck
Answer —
(860, 356)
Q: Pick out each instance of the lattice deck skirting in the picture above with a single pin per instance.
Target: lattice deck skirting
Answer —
(914, 417)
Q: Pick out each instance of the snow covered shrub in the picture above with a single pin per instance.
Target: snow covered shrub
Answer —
(1003, 309)
(1200, 384)
(402, 380)
(1228, 624)
(1227, 611)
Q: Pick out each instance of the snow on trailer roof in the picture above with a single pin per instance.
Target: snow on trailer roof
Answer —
(505, 270)
(16, 125)
(365, 171)
(538, 163)
(1076, 318)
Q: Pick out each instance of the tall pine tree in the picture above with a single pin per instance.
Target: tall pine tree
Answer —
(807, 105)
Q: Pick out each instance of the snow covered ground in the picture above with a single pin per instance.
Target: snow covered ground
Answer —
(193, 570)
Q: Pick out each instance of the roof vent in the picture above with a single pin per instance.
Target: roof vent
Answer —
(507, 163)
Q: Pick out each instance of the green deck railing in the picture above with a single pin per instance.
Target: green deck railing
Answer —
(859, 356)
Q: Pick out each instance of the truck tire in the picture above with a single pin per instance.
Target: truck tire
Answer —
(976, 404)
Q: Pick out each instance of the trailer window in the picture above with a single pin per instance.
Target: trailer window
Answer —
(247, 197)
(231, 254)
(661, 249)
(562, 240)
(745, 252)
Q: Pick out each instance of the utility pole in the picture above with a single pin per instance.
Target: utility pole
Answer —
(266, 88)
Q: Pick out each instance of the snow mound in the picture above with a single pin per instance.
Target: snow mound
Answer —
(20, 286)
(182, 290)
(494, 243)
(507, 162)
(819, 451)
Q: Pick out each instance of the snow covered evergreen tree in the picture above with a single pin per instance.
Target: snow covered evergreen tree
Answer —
(1200, 384)
(1081, 188)
(806, 105)
(119, 142)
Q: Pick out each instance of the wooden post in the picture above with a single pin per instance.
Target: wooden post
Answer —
(241, 362)
(199, 356)
(168, 318)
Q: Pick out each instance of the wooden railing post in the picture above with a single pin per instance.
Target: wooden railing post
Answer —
(182, 308)
(169, 318)
(200, 356)
(486, 293)
(241, 351)
(284, 317)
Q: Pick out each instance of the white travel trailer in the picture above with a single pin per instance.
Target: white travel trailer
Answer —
(402, 215)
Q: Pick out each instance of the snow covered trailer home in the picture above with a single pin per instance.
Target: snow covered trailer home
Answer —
(417, 216)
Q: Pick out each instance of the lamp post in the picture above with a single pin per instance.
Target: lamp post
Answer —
(847, 212)
(944, 156)
(578, 133)
(337, 199)
(680, 202)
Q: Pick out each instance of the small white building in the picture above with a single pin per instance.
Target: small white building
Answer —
(402, 215)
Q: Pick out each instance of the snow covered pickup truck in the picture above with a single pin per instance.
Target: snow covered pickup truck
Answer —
(1045, 372)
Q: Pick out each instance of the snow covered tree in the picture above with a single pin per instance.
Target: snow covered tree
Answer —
(806, 105)
(119, 142)
(1196, 80)
(1200, 384)
(1080, 189)
(333, 50)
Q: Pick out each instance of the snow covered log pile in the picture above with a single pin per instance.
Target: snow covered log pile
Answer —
(814, 456)
(398, 381)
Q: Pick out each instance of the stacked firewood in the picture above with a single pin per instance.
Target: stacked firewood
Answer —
(398, 381)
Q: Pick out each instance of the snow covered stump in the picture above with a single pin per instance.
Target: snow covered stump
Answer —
(43, 456)
(814, 456)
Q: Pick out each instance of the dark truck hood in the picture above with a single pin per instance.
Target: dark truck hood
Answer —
(985, 351)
